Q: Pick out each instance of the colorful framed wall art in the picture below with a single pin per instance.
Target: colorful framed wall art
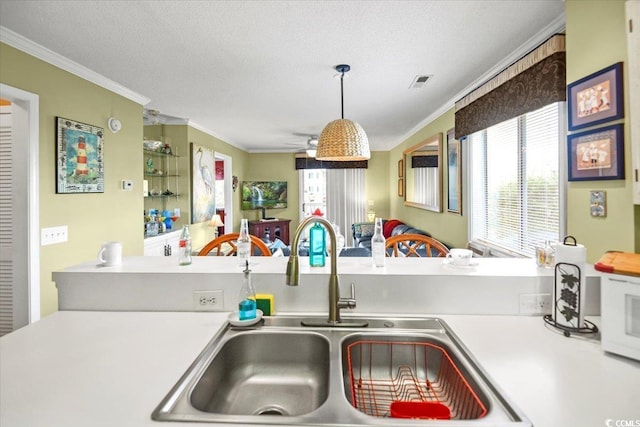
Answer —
(79, 157)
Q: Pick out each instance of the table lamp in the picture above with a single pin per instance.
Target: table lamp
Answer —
(215, 222)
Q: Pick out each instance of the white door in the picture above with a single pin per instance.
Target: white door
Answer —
(19, 223)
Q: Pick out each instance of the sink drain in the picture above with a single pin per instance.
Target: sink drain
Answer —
(271, 410)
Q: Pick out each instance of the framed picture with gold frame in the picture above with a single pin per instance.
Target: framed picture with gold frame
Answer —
(400, 168)
(454, 174)
(400, 187)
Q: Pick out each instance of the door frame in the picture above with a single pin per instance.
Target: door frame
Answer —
(228, 191)
(26, 170)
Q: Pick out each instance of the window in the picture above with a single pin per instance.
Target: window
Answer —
(514, 186)
(338, 193)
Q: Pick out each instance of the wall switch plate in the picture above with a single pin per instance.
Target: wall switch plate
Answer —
(535, 304)
(127, 185)
(208, 300)
(53, 235)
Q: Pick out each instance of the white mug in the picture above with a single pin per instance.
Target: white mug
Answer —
(461, 257)
(110, 254)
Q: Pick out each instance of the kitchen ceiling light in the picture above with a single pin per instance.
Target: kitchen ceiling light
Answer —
(343, 139)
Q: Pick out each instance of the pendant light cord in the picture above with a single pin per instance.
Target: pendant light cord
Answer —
(342, 93)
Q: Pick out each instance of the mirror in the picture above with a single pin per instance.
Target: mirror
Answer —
(423, 174)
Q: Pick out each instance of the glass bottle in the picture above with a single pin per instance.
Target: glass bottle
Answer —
(184, 247)
(317, 245)
(377, 245)
(247, 300)
(339, 239)
(244, 243)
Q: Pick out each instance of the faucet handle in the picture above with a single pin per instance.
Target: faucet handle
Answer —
(349, 302)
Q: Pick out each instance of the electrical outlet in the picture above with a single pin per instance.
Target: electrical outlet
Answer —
(127, 185)
(53, 235)
(535, 304)
(208, 300)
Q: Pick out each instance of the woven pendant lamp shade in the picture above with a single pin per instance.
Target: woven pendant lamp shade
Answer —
(343, 140)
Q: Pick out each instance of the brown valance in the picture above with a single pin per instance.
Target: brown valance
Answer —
(424, 161)
(303, 162)
(536, 80)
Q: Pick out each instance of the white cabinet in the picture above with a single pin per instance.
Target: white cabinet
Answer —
(633, 71)
(162, 245)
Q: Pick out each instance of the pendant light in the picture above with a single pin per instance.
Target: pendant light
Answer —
(343, 139)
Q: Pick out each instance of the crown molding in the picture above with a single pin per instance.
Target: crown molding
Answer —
(19, 42)
(213, 134)
(554, 27)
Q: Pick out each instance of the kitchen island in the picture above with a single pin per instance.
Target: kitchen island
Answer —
(92, 368)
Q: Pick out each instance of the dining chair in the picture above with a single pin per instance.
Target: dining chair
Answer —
(417, 245)
(226, 245)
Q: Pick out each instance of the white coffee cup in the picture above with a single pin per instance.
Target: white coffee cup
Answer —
(110, 254)
(461, 257)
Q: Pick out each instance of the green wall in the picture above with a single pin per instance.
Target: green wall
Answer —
(91, 218)
(596, 38)
(445, 226)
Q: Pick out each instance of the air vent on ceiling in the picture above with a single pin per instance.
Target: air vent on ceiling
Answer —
(419, 81)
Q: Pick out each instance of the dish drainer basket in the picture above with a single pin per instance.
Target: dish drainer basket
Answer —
(384, 372)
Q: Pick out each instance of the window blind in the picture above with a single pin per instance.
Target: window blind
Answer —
(346, 199)
(514, 182)
(7, 292)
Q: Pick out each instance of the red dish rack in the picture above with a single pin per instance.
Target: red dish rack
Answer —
(382, 373)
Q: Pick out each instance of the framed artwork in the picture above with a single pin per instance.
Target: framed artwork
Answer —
(598, 203)
(400, 168)
(203, 205)
(454, 174)
(79, 157)
(597, 98)
(400, 187)
(596, 154)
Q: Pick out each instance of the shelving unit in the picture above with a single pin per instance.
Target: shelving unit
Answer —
(161, 172)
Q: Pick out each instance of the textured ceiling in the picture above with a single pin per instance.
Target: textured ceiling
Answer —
(259, 74)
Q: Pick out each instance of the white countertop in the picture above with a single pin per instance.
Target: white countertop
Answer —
(418, 285)
(85, 369)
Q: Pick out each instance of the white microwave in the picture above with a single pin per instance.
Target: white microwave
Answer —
(620, 314)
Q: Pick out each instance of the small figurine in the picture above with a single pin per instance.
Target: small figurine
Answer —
(167, 149)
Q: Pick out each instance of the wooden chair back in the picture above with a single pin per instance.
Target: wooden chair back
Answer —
(231, 239)
(409, 244)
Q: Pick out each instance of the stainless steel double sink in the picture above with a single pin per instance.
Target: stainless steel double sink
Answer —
(278, 372)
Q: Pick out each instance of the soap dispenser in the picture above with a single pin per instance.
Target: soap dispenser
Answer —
(247, 304)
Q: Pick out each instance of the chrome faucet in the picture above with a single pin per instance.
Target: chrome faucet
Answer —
(335, 302)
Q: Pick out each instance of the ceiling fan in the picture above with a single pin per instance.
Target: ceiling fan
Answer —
(154, 117)
(311, 146)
